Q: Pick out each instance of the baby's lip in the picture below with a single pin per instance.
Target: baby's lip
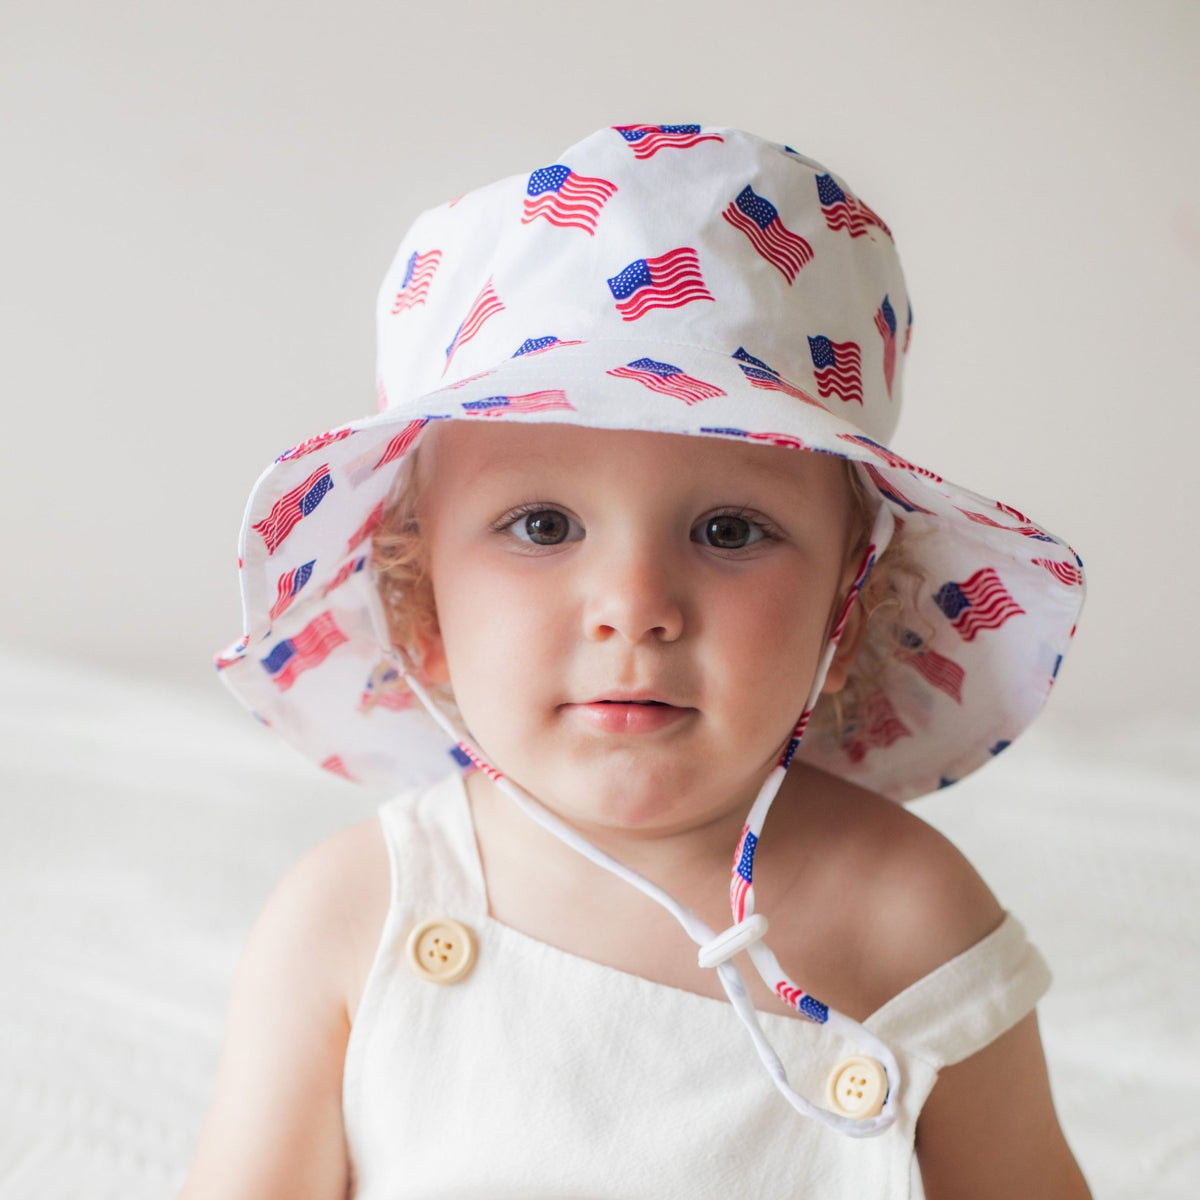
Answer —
(625, 696)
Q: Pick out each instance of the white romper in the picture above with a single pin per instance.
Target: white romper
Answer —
(543, 1074)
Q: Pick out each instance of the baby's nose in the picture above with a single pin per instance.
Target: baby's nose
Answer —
(635, 595)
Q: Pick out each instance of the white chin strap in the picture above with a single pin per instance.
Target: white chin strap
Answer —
(716, 950)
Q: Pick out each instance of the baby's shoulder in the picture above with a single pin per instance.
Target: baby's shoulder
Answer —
(905, 898)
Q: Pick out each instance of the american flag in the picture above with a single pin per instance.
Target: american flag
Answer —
(885, 322)
(334, 763)
(844, 211)
(542, 344)
(647, 140)
(289, 585)
(348, 568)
(743, 873)
(233, 654)
(671, 381)
(759, 220)
(386, 689)
(1025, 530)
(400, 443)
(762, 376)
(801, 1001)
(1064, 572)
(908, 328)
(499, 406)
(486, 304)
(669, 280)
(889, 456)
(314, 444)
(979, 603)
(889, 490)
(289, 510)
(418, 274)
(877, 727)
(944, 673)
(309, 648)
(786, 440)
(838, 368)
(367, 528)
(564, 198)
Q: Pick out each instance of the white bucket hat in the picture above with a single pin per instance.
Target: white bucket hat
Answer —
(677, 278)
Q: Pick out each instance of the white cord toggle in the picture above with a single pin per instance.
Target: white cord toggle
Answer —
(733, 941)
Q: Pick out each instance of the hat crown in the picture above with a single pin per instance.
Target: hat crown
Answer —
(659, 235)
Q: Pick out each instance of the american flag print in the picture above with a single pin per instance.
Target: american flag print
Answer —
(418, 275)
(743, 873)
(787, 440)
(563, 198)
(979, 603)
(647, 140)
(313, 444)
(667, 379)
(289, 585)
(885, 322)
(668, 280)
(335, 764)
(291, 508)
(942, 672)
(802, 1002)
(1025, 530)
(837, 367)
(348, 568)
(890, 491)
(233, 654)
(888, 456)
(486, 304)
(759, 220)
(364, 531)
(908, 328)
(877, 727)
(499, 406)
(401, 443)
(541, 344)
(844, 211)
(309, 648)
(1066, 573)
(386, 689)
(762, 376)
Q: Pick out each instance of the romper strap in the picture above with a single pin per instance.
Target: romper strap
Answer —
(967, 1002)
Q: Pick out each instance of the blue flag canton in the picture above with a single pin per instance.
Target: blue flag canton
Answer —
(530, 345)
(302, 576)
(661, 369)
(277, 659)
(315, 494)
(753, 368)
(626, 282)
(745, 867)
(821, 349)
(547, 179)
(486, 402)
(889, 315)
(408, 270)
(828, 192)
(951, 599)
(814, 1010)
(760, 210)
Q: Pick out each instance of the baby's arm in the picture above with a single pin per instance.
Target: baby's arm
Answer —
(275, 1124)
(989, 1130)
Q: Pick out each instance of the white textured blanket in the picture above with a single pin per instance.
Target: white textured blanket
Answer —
(143, 828)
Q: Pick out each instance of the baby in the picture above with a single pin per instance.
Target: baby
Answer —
(624, 579)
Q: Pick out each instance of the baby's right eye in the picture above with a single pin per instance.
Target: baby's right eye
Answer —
(545, 527)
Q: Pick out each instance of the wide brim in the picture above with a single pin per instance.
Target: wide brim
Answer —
(986, 633)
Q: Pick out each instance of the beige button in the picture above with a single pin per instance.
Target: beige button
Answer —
(441, 950)
(858, 1087)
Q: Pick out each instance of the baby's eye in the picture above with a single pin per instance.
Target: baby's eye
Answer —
(727, 531)
(545, 527)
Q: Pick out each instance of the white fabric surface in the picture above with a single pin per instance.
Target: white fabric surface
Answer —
(526, 1031)
(144, 826)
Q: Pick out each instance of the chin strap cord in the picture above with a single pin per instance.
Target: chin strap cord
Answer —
(715, 950)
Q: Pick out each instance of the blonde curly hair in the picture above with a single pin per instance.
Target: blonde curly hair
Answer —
(406, 591)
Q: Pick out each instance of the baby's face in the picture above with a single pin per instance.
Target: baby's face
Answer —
(630, 622)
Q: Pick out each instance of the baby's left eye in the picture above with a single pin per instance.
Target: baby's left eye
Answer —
(727, 532)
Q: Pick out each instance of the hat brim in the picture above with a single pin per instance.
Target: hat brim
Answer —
(988, 632)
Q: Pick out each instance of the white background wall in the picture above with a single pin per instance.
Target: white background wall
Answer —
(199, 202)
